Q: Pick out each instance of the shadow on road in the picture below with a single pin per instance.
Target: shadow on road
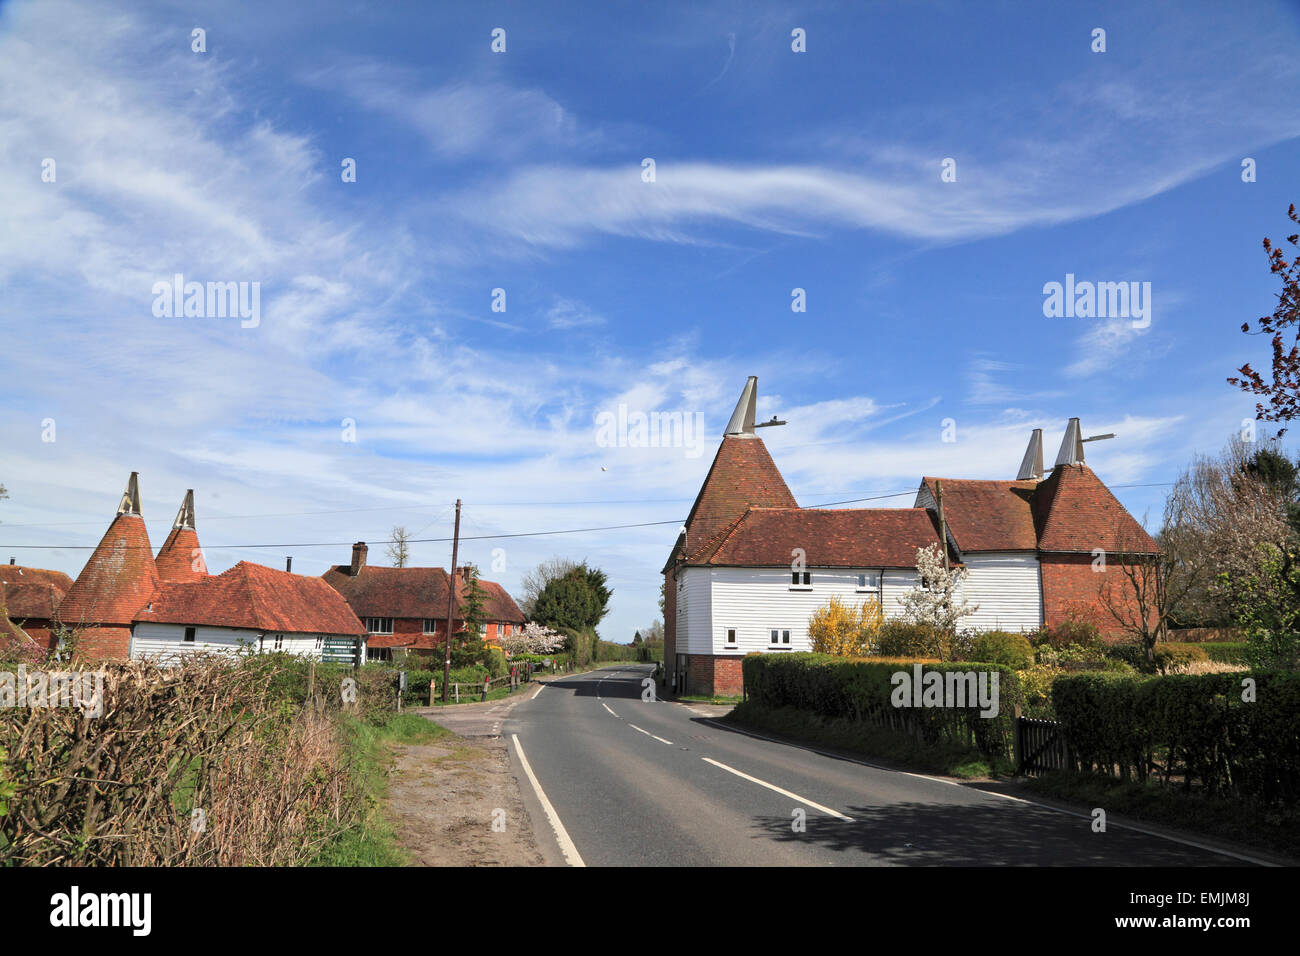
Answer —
(613, 685)
(919, 834)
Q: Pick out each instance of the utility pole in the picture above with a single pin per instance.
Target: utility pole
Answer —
(451, 604)
(943, 525)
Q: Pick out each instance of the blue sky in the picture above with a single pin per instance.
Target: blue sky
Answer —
(522, 170)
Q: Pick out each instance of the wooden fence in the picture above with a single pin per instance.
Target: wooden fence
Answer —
(1039, 746)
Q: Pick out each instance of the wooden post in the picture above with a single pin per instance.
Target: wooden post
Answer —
(943, 525)
(433, 690)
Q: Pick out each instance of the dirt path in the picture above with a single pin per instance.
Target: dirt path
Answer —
(445, 797)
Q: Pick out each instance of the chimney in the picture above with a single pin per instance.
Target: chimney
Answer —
(288, 565)
(463, 573)
(11, 561)
(359, 551)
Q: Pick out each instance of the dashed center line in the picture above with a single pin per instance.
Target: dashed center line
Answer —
(648, 734)
(606, 706)
(771, 786)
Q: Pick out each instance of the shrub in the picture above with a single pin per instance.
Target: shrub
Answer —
(1066, 633)
(861, 690)
(1002, 647)
(1193, 729)
(897, 638)
(845, 630)
(1172, 657)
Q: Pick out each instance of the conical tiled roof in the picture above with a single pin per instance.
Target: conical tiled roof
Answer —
(742, 476)
(120, 576)
(1074, 511)
(180, 559)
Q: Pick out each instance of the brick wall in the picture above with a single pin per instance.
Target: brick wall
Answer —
(714, 675)
(670, 628)
(1072, 589)
(104, 643)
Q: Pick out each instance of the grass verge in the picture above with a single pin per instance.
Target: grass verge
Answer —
(1230, 820)
(373, 842)
(702, 699)
(868, 741)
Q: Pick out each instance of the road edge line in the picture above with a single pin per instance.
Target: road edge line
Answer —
(571, 854)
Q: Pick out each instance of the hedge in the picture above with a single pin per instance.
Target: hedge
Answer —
(861, 689)
(1191, 730)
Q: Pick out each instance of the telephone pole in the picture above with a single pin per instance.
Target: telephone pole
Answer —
(451, 604)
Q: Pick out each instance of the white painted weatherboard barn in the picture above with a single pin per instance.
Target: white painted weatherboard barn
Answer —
(751, 567)
(250, 608)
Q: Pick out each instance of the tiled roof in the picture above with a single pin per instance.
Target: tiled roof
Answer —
(988, 515)
(32, 593)
(178, 555)
(414, 593)
(255, 597)
(117, 581)
(857, 538)
(1074, 511)
(742, 476)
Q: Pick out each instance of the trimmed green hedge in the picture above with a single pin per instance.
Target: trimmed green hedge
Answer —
(1222, 652)
(1194, 731)
(861, 690)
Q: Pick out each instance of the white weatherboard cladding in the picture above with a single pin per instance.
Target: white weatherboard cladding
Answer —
(1008, 589)
(754, 601)
(694, 597)
(162, 641)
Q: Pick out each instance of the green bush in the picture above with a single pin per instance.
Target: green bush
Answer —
(1002, 647)
(897, 638)
(862, 689)
(1194, 730)
(1170, 657)
(1061, 635)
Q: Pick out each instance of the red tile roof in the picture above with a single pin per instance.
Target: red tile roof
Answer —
(117, 581)
(177, 557)
(31, 593)
(987, 515)
(1074, 511)
(255, 597)
(742, 476)
(415, 593)
(857, 538)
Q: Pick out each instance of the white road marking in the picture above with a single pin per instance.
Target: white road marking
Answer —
(771, 786)
(648, 734)
(1006, 796)
(571, 855)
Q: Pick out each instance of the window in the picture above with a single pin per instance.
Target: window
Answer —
(430, 625)
(868, 582)
(320, 641)
(379, 625)
(795, 577)
(279, 641)
(189, 635)
(775, 635)
(779, 637)
(785, 637)
(379, 654)
(731, 637)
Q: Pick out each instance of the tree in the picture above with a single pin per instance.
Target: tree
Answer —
(536, 580)
(472, 614)
(578, 600)
(1283, 392)
(636, 639)
(398, 552)
(934, 602)
(1134, 584)
(845, 630)
(532, 638)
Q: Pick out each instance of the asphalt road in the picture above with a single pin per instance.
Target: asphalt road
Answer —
(637, 783)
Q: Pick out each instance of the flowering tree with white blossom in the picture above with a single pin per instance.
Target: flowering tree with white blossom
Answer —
(935, 603)
(532, 639)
